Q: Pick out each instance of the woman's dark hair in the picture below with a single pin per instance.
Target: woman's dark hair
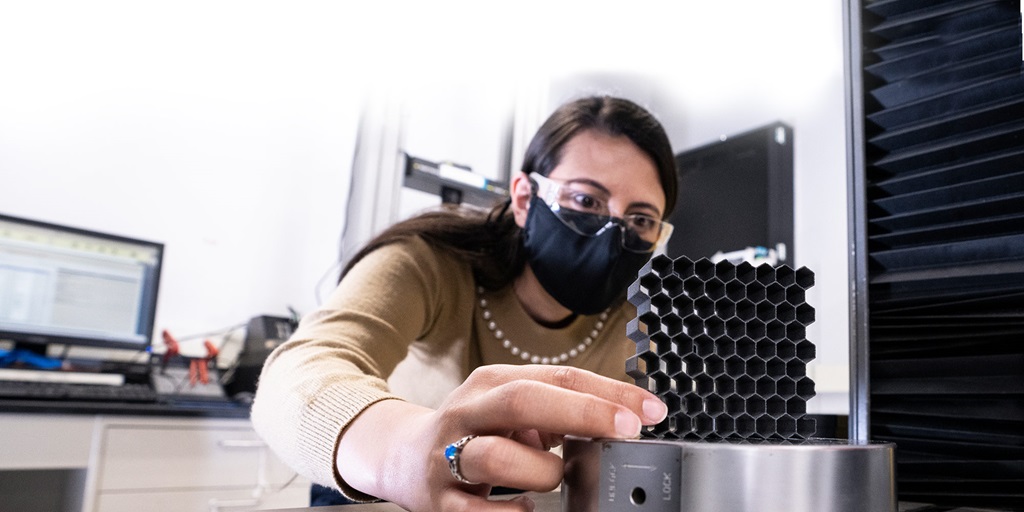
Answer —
(491, 241)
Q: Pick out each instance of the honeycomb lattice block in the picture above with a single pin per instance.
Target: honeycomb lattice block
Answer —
(725, 347)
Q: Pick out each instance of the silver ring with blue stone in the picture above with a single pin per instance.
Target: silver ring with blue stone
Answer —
(452, 453)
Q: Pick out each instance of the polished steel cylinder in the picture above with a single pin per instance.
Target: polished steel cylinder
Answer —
(816, 475)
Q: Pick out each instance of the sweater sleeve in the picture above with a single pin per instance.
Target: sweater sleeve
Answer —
(337, 362)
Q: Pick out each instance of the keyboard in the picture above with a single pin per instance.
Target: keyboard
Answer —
(30, 390)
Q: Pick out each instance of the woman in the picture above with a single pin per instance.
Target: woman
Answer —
(502, 332)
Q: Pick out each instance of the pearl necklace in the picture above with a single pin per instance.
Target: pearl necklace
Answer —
(534, 358)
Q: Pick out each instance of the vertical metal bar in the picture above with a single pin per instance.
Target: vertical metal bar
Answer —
(857, 220)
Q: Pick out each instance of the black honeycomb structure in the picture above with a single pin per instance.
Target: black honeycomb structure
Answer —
(725, 347)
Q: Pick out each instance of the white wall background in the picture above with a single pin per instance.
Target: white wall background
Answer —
(226, 129)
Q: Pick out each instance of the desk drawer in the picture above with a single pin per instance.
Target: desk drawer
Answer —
(159, 457)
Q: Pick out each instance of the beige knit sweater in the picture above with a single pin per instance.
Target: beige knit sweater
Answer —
(406, 322)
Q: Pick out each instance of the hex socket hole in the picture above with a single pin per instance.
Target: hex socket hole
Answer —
(766, 426)
(805, 351)
(714, 288)
(796, 332)
(796, 406)
(650, 284)
(735, 405)
(745, 426)
(725, 309)
(735, 290)
(725, 385)
(806, 427)
(725, 346)
(786, 387)
(755, 329)
(765, 274)
(745, 386)
(714, 366)
(775, 293)
(714, 327)
(786, 350)
(735, 367)
(705, 346)
(776, 330)
(745, 310)
(746, 273)
(805, 388)
(776, 368)
(765, 311)
(704, 307)
(671, 325)
(765, 387)
(694, 364)
(661, 305)
(785, 275)
(755, 292)
(796, 368)
(745, 346)
(776, 407)
(785, 312)
(671, 364)
(693, 287)
(765, 349)
(693, 325)
(756, 368)
(672, 285)
(805, 314)
(704, 269)
(637, 496)
(756, 406)
(714, 405)
(804, 278)
(704, 425)
(705, 385)
(682, 306)
(683, 267)
(795, 295)
(786, 427)
(693, 404)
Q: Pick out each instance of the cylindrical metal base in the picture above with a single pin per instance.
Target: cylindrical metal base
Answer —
(817, 475)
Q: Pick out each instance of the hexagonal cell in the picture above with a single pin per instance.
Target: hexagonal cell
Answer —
(714, 288)
(683, 383)
(694, 365)
(786, 350)
(776, 368)
(693, 287)
(755, 329)
(660, 305)
(682, 267)
(671, 364)
(804, 278)
(725, 309)
(745, 273)
(775, 293)
(765, 349)
(745, 347)
(682, 345)
(649, 322)
(786, 427)
(735, 405)
(796, 369)
(660, 264)
(756, 368)
(725, 346)
(693, 405)
(714, 405)
(735, 290)
(765, 387)
(745, 386)
(745, 426)
(703, 425)
(745, 310)
(661, 430)
(796, 332)
(735, 367)
(755, 292)
(766, 426)
(725, 270)
(661, 344)
(785, 387)
(650, 284)
(658, 382)
(785, 275)
(756, 406)
(636, 331)
(672, 285)
(725, 385)
(805, 388)
(682, 306)
(776, 330)
(693, 325)
(725, 426)
(796, 406)
(671, 325)
(776, 407)
(805, 351)
(705, 385)
(785, 312)
(806, 427)
(765, 273)
(704, 346)
(714, 327)
(765, 311)
(805, 314)
(795, 295)
(714, 366)
(704, 307)
(704, 269)
(735, 329)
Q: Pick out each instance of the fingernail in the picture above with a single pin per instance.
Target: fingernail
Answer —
(627, 424)
(655, 410)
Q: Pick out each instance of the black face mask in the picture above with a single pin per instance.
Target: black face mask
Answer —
(586, 274)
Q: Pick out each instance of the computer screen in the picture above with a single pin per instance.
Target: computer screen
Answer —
(60, 284)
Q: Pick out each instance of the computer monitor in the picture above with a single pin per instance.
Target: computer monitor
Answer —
(71, 286)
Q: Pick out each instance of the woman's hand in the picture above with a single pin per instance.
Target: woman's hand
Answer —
(395, 450)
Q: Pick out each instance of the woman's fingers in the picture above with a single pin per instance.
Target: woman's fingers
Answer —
(462, 502)
(501, 461)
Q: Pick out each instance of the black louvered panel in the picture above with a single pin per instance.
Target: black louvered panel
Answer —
(943, 105)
